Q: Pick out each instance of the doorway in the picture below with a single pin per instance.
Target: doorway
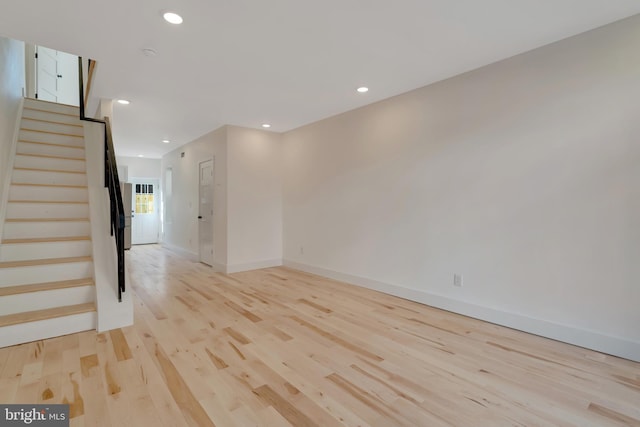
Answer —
(144, 218)
(205, 212)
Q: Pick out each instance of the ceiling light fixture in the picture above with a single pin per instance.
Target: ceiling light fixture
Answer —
(266, 125)
(363, 89)
(140, 155)
(166, 141)
(123, 102)
(172, 18)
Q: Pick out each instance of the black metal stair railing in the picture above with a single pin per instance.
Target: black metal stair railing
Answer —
(111, 181)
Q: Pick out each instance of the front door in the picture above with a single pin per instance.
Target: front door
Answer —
(205, 212)
(144, 219)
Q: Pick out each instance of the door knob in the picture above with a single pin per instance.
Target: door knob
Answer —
(199, 216)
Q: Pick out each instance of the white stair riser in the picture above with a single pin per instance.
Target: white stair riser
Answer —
(45, 273)
(27, 192)
(49, 106)
(26, 135)
(48, 163)
(26, 123)
(52, 117)
(47, 210)
(50, 150)
(42, 300)
(42, 329)
(26, 230)
(47, 177)
(45, 250)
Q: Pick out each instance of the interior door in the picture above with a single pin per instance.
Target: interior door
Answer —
(205, 212)
(47, 74)
(68, 79)
(145, 218)
(56, 76)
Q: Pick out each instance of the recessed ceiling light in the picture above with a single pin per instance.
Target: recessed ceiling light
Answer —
(363, 89)
(166, 141)
(123, 102)
(266, 125)
(172, 18)
(140, 155)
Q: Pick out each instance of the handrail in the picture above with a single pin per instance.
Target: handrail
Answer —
(111, 181)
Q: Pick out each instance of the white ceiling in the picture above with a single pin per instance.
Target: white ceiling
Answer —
(285, 62)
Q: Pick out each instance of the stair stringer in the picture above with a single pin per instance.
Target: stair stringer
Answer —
(6, 183)
(111, 313)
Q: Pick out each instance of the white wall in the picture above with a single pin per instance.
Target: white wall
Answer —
(522, 176)
(11, 87)
(247, 197)
(254, 167)
(137, 167)
(182, 232)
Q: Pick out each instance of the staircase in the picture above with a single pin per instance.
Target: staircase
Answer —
(46, 265)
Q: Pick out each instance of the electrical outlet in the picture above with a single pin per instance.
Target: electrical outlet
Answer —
(457, 280)
(301, 250)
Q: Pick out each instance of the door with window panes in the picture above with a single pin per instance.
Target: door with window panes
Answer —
(144, 218)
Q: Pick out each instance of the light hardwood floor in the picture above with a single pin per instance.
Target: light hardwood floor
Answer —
(278, 347)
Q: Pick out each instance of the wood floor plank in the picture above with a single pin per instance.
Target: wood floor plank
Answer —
(279, 347)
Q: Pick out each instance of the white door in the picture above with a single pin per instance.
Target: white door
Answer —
(56, 76)
(68, 84)
(205, 212)
(144, 218)
(47, 74)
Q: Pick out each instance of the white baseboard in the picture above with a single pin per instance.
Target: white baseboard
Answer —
(191, 256)
(616, 346)
(237, 268)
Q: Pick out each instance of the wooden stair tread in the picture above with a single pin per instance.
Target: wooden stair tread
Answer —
(31, 184)
(48, 156)
(47, 170)
(49, 286)
(46, 240)
(52, 133)
(52, 122)
(26, 141)
(46, 219)
(50, 313)
(47, 261)
(52, 112)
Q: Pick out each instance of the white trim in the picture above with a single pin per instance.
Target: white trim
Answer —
(237, 268)
(4, 196)
(191, 256)
(616, 346)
